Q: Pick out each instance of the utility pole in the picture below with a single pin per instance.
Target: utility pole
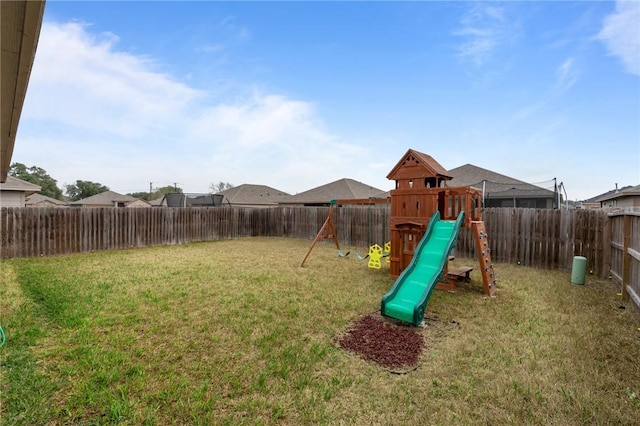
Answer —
(150, 188)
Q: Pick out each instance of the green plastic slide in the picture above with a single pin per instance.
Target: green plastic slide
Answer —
(407, 299)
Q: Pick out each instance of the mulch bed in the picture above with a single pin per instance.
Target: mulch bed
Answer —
(391, 344)
(395, 347)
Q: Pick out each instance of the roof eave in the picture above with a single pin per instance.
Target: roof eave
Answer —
(21, 23)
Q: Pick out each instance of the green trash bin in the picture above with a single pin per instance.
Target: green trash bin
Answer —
(578, 270)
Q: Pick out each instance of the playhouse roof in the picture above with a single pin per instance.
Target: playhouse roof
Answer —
(414, 165)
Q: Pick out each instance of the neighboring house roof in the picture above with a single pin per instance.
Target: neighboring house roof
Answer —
(627, 191)
(191, 200)
(14, 184)
(36, 200)
(249, 194)
(107, 198)
(137, 203)
(342, 189)
(495, 184)
(385, 194)
(597, 198)
(157, 201)
(412, 161)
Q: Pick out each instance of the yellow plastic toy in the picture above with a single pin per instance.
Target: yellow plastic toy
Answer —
(375, 254)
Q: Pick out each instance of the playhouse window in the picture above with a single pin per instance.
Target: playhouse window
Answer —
(430, 182)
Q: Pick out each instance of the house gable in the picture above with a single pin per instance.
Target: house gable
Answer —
(136, 204)
(106, 199)
(417, 168)
(39, 200)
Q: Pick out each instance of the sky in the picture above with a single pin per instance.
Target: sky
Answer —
(298, 94)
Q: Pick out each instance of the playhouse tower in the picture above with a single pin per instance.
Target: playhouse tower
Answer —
(421, 189)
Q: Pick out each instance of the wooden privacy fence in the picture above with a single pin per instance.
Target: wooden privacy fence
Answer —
(47, 231)
(544, 238)
(625, 253)
(534, 237)
(29, 232)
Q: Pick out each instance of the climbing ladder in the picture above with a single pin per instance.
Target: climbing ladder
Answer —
(484, 257)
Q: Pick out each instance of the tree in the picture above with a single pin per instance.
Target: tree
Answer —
(83, 189)
(140, 195)
(37, 176)
(157, 193)
(220, 186)
(160, 192)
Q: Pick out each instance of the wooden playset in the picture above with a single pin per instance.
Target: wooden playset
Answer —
(420, 191)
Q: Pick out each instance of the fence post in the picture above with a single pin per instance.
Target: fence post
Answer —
(626, 258)
(606, 256)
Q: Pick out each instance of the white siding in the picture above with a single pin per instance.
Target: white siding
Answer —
(12, 199)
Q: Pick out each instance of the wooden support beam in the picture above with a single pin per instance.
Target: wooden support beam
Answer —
(327, 232)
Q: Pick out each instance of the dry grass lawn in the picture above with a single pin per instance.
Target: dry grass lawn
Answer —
(233, 332)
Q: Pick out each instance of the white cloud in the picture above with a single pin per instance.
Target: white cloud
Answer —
(272, 139)
(212, 48)
(231, 25)
(530, 110)
(82, 81)
(621, 35)
(257, 121)
(485, 29)
(567, 74)
(94, 112)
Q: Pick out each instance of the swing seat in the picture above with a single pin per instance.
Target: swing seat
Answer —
(361, 257)
(341, 254)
